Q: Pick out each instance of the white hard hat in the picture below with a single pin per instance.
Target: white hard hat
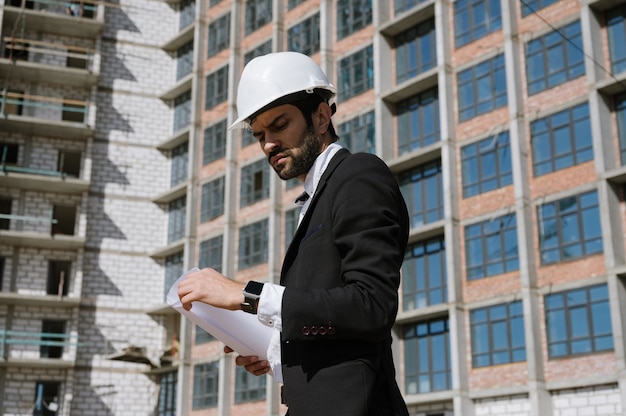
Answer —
(270, 77)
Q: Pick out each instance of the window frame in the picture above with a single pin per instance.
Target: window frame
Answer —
(418, 179)
(493, 151)
(248, 387)
(255, 183)
(501, 320)
(546, 138)
(540, 51)
(218, 35)
(475, 30)
(253, 244)
(359, 133)
(212, 199)
(551, 213)
(470, 86)
(422, 261)
(412, 47)
(568, 309)
(306, 34)
(433, 337)
(356, 73)
(205, 385)
(480, 261)
(254, 8)
(216, 88)
(352, 16)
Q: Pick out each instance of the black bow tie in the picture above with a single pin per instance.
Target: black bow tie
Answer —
(302, 198)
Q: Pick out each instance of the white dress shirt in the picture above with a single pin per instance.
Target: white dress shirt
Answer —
(269, 309)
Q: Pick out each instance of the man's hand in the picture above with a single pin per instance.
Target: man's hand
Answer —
(210, 287)
(252, 364)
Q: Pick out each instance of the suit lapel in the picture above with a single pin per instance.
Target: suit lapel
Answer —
(292, 250)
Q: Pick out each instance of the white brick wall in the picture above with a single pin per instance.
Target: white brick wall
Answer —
(588, 401)
(509, 405)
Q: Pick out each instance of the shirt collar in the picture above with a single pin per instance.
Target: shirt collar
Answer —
(319, 166)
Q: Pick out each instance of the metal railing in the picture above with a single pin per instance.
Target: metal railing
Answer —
(77, 8)
(33, 345)
(19, 101)
(15, 48)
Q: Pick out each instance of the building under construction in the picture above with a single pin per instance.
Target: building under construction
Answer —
(503, 120)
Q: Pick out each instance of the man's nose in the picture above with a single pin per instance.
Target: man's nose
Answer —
(270, 144)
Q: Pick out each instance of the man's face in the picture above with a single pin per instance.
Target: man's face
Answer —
(290, 145)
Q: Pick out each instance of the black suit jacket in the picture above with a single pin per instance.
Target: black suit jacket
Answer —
(342, 273)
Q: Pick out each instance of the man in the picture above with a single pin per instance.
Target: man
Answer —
(338, 293)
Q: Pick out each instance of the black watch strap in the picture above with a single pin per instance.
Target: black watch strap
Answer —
(251, 293)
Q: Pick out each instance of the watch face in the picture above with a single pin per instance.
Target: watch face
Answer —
(254, 288)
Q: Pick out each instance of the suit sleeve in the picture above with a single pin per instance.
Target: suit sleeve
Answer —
(347, 270)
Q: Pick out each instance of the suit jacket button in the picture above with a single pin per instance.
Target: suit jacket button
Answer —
(314, 330)
(305, 330)
(322, 330)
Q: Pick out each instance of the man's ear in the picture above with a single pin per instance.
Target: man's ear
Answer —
(322, 117)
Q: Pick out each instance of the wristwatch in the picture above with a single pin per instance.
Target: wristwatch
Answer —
(251, 293)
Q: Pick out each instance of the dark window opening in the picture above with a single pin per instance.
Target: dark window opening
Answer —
(46, 398)
(65, 217)
(5, 210)
(58, 277)
(52, 339)
(69, 163)
(8, 153)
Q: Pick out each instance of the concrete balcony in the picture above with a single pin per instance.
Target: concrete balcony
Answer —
(37, 61)
(41, 240)
(39, 180)
(80, 19)
(27, 349)
(44, 116)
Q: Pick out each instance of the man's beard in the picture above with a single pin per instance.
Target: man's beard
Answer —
(309, 150)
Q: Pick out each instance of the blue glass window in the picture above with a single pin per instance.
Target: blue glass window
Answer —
(424, 280)
(358, 134)
(219, 35)
(491, 247)
(482, 88)
(531, 6)
(214, 143)
(205, 385)
(356, 73)
(253, 244)
(486, 165)
(616, 30)
(178, 165)
(578, 321)
(184, 60)
(554, 58)
(258, 14)
(474, 19)
(418, 121)
(569, 228)
(498, 334)
(177, 214)
(216, 88)
(255, 183)
(211, 253)
(427, 357)
(415, 50)
(561, 140)
(182, 111)
(305, 36)
(352, 15)
(212, 200)
(248, 387)
(400, 6)
(422, 188)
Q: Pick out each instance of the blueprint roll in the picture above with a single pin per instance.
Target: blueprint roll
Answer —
(239, 330)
